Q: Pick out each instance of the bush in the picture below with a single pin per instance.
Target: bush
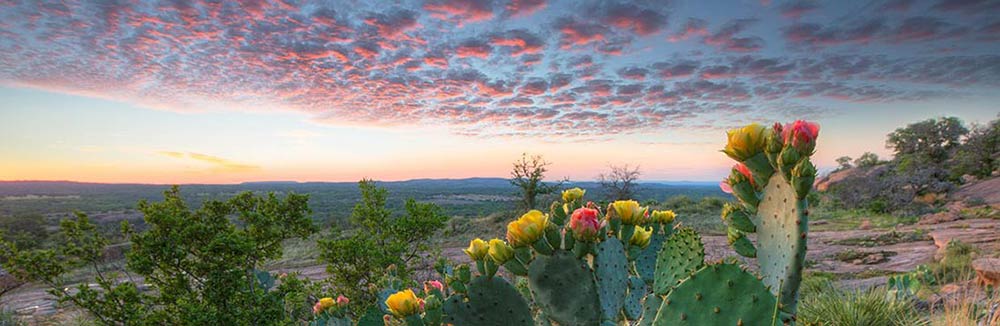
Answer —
(201, 266)
(357, 260)
(824, 304)
(956, 264)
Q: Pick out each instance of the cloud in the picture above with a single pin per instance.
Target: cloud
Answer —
(725, 38)
(796, 8)
(692, 27)
(521, 8)
(217, 164)
(463, 11)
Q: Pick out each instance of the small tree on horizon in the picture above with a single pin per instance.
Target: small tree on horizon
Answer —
(620, 182)
(528, 175)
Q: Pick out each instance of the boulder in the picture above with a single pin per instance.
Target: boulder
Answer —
(987, 271)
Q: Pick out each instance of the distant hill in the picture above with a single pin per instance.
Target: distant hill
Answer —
(329, 200)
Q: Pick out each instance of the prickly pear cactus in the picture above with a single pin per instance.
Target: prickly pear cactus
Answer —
(564, 288)
(771, 182)
(491, 301)
(611, 272)
(721, 294)
(680, 256)
(637, 289)
(645, 262)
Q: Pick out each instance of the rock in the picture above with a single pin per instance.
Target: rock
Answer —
(987, 271)
(946, 216)
(865, 225)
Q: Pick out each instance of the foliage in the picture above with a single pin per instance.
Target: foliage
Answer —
(931, 140)
(201, 266)
(620, 182)
(829, 305)
(867, 159)
(357, 259)
(955, 264)
(528, 175)
(843, 163)
(980, 154)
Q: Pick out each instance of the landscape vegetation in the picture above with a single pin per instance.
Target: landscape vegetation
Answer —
(890, 242)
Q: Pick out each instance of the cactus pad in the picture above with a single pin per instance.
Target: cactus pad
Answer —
(563, 287)
(781, 240)
(491, 301)
(682, 254)
(645, 262)
(611, 272)
(722, 294)
(650, 306)
(633, 301)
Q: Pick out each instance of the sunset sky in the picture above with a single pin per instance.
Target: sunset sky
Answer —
(216, 92)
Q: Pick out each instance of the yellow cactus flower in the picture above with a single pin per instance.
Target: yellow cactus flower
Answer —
(663, 216)
(641, 237)
(572, 194)
(500, 251)
(746, 142)
(323, 304)
(629, 212)
(477, 249)
(403, 303)
(527, 229)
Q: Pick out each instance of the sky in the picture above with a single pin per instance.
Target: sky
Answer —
(220, 92)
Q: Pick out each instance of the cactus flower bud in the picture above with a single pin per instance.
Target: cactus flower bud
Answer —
(745, 142)
(664, 217)
(628, 211)
(403, 303)
(802, 135)
(323, 304)
(477, 249)
(742, 185)
(342, 301)
(500, 251)
(527, 229)
(574, 194)
(432, 285)
(432, 302)
(640, 238)
(803, 176)
(584, 224)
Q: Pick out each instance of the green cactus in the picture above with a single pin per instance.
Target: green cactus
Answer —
(774, 206)
(650, 307)
(490, 301)
(645, 262)
(611, 273)
(637, 289)
(682, 254)
(563, 287)
(372, 317)
(721, 294)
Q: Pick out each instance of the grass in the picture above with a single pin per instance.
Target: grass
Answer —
(956, 265)
(885, 239)
(850, 255)
(823, 303)
(841, 220)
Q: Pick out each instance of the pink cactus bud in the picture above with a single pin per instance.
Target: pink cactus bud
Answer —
(432, 285)
(584, 223)
(724, 185)
(802, 135)
(745, 171)
(342, 301)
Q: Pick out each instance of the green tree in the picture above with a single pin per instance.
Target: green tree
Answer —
(357, 258)
(867, 159)
(201, 266)
(929, 141)
(980, 154)
(844, 163)
(528, 175)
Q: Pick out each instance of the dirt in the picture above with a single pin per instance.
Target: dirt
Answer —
(35, 304)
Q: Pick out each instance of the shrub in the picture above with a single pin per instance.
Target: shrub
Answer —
(824, 304)
(358, 259)
(201, 266)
